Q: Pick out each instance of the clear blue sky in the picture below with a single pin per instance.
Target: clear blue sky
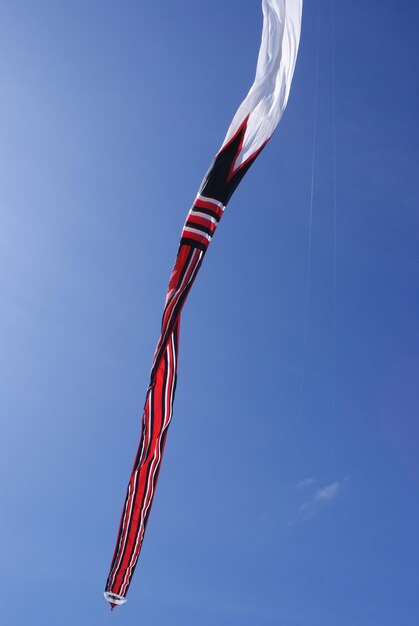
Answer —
(272, 508)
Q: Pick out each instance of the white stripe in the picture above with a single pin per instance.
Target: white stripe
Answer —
(211, 201)
(204, 216)
(188, 229)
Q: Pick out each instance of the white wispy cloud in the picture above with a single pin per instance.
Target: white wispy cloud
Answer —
(306, 482)
(327, 493)
(320, 499)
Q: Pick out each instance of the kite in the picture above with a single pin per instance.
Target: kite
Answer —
(249, 132)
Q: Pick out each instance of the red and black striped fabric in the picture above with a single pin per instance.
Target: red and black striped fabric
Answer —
(200, 226)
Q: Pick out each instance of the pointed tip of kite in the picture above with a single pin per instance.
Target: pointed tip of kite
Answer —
(112, 605)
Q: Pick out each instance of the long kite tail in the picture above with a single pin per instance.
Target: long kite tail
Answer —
(249, 132)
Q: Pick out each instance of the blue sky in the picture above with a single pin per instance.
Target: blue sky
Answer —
(274, 506)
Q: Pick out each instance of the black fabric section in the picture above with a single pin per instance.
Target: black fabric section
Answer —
(216, 184)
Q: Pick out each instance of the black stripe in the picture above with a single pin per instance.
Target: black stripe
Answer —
(204, 229)
(185, 241)
(206, 211)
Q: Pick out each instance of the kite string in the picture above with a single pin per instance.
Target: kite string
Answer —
(310, 225)
(300, 409)
(309, 252)
(332, 444)
(335, 269)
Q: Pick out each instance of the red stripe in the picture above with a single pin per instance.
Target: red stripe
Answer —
(202, 204)
(201, 221)
(190, 235)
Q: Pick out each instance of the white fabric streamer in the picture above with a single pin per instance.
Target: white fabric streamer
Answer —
(267, 99)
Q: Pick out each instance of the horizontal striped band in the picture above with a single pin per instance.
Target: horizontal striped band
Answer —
(200, 198)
